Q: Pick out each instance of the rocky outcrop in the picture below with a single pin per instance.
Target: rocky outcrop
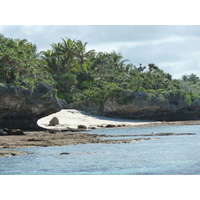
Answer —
(54, 121)
(21, 107)
(4, 153)
(141, 105)
(87, 106)
(7, 131)
(145, 106)
(82, 127)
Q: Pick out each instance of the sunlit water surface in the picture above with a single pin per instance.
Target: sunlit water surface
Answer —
(168, 155)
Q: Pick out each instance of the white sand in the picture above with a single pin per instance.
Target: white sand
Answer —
(72, 118)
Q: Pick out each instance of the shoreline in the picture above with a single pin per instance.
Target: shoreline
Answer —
(61, 138)
(64, 135)
(71, 118)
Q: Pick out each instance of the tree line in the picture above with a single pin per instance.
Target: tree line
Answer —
(79, 75)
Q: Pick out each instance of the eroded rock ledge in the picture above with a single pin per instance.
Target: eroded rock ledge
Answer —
(141, 105)
(45, 139)
(60, 138)
(21, 107)
(144, 106)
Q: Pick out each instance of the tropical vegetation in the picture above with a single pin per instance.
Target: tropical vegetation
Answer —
(79, 75)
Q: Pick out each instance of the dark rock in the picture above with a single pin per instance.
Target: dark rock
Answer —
(52, 131)
(69, 130)
(64, 153)
(17, 132)
(11, 153)
(22, 108)
(141, 105)
(82, 127)
(33, 140)
(75, 130)
(65, 130)
(54, 121)
(63, 104)
(6, 130)
(2, 133)
(169, 134)
(13, 131)
(110, 126)
(93, 127)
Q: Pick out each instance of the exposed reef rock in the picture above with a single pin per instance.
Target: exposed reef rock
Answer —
(20, 108)
(4, 153)
(7, 131)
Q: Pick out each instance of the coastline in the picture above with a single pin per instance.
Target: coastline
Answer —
(71, 118)
(60, 136)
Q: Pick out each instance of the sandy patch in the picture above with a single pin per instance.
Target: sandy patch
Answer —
(71, 118)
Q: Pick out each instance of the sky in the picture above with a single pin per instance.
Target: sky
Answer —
(173, 48)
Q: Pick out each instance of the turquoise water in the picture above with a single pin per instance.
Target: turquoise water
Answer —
(168, 155)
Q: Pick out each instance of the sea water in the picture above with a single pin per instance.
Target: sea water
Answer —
(162, 155)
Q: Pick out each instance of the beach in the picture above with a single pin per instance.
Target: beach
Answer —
(71, 118)
(68, 133)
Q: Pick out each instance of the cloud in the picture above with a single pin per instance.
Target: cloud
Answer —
(175, 49)
(121, 33)
(177, 55)
(30, 29)
(42, 36)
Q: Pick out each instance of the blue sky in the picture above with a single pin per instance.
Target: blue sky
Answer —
(174, 48)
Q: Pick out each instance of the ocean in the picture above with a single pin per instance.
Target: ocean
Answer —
(162, 155)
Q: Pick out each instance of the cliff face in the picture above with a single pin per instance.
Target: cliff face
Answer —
(21, 108)
(141, 105)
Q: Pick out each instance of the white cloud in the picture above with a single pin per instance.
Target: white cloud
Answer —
(178, 69)
(175, 49)
(31, 29)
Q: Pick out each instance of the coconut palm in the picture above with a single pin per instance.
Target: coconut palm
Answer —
(83, 57)
(116, 62)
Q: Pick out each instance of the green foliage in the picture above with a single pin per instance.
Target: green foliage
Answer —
(46, 95)
(19, 63)
(192, 78)
(81, 76)
(191, 97)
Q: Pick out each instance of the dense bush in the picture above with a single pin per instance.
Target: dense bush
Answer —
(80, 76)
(20, 64)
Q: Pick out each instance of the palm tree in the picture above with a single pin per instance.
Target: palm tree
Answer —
(52, 65)
(49, 61)
(99, 66)
(115, 60)
(83, 56)
(153, 68)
